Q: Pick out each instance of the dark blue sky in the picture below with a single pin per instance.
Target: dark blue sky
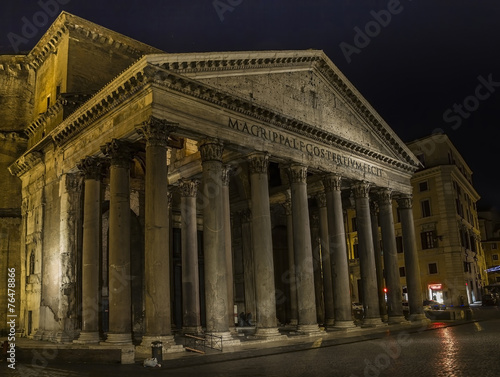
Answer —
(429, 56)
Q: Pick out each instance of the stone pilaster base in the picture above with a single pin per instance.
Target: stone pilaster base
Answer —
(373, 322)
(294, 322)
(311, 330)
(397, 320)
(87, 338)
(118, 339)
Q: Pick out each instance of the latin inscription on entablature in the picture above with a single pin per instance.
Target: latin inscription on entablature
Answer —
(311, 149)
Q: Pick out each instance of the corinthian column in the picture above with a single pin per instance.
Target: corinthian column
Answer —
(189, 247)
(226, 175)
(156, 258)
(263, 247)
(325, 260)
(92, 168)
(214, 239)
(366, 255)
(120, 326)
(378, 260)
(291, 263)
(307, 321)
(411, 259)
(338, 250)
(394, 292)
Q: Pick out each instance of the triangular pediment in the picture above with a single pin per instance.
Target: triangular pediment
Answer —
(303, 85)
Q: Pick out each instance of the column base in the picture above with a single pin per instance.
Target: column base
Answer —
(192, 330)
(227, 338)
(87, 338)
(397, 320)
(329, 323)
(268, 333)
(419, 317)
(372, 322)
(310, 330)
(344, 326)
(118, 339)
(293, 322)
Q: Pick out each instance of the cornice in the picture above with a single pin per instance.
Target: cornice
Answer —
(243, 106)
(67, 22)
(190, 64)
(25, 163)
(143, 73)
(15, 136)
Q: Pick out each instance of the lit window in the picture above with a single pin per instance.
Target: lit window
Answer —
(494, 246)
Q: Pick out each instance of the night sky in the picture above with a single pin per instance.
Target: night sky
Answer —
(419, 63)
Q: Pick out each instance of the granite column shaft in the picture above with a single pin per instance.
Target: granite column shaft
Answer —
(366, 255)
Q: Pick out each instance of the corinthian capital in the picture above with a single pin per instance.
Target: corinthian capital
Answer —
(211, 150)
(361, 190)
(188, 188)
(227, 170)
(258, 163)
(332, 182)
(121, 152)
(92, 167)
(156, 131)
(298, 173)
(385, 197)
(405, 201)
(321, 199)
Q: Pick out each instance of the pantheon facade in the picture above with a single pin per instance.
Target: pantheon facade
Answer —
(165, 192)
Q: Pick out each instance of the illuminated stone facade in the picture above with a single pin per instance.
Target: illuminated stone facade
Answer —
(227, 157)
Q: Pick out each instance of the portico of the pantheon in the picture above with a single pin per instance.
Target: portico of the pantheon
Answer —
(186, 186)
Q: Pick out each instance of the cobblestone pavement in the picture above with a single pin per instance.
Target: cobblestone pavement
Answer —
(470, 349)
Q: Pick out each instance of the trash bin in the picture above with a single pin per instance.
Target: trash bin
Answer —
(157, 351)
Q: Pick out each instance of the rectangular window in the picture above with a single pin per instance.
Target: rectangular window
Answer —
(399, 244)
(398, 215)
(428, 240)
(423, 186)
(433, 268)
(493, 246)
(494, 257)
(426, 208)
(498, 279)
(402, 272)
(48, 102)
(355, 251)
(30, 322)
(354, 224)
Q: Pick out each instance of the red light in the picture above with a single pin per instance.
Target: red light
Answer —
(385, 290)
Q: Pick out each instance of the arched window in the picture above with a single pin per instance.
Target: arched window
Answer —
(32, 262)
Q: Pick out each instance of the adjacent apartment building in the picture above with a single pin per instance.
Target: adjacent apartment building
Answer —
(452, 261)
